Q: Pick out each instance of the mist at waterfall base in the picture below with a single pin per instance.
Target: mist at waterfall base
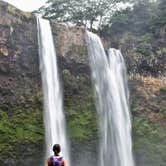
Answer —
(54, 119)
(111, 93)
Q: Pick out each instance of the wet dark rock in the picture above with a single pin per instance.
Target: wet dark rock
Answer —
(20, 83)
(136, 113)
(10, 162)
(21, 91)
(156, 110)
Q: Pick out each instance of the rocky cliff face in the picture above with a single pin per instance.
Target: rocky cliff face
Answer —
(21, 98)
(20, 87)
(144, 54)
(18, 55)
(69, 42)
(79, 106)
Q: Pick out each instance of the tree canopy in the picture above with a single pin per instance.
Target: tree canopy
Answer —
(80, 11)
(140, 17)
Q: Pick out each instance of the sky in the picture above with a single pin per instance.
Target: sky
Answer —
(27, 5)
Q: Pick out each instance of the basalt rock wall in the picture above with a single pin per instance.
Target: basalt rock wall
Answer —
(21, 97)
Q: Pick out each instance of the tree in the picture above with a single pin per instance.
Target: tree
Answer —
(56, 9)
(79, 11)
(135, 19)
(159, 20)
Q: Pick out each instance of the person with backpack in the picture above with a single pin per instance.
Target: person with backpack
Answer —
(56, 159)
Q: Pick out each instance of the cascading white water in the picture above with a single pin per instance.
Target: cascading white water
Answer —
(53, 115)
(111, 92)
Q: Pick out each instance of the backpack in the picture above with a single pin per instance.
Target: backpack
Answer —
(55, 161)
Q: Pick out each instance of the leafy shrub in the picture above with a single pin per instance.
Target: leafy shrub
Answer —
(145, 48)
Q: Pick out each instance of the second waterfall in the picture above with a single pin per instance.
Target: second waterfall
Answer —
(111, 92)
(53, 115)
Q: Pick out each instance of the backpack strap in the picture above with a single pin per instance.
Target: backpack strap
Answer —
(52, 158)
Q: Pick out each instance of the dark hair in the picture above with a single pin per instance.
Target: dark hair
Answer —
(56, 148)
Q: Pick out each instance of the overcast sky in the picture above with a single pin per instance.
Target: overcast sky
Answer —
(27, 5)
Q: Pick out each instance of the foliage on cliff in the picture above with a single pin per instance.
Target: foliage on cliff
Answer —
(79, 106)
(148, 108)
(140, 32)
(22, 132)
(82, 12)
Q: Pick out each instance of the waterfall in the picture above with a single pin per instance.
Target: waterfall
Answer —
(111, 93)
(54, 119)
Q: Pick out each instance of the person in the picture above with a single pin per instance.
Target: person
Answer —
(56, 159)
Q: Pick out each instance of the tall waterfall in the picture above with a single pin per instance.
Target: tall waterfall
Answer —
(53, 115)
(111, 92)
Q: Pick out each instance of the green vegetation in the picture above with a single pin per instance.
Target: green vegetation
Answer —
(163, 89)
(79, 106)
(149, 142)
(26, 14)
(139, 32)
(79, 11)
(20, 127)
(143, 22)
(144, 128)
(148, 121)
(145, 49)
(11, 9)
(66, 72)
(137, 18)
(163, 50)
(81, 123)
(14, 11)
